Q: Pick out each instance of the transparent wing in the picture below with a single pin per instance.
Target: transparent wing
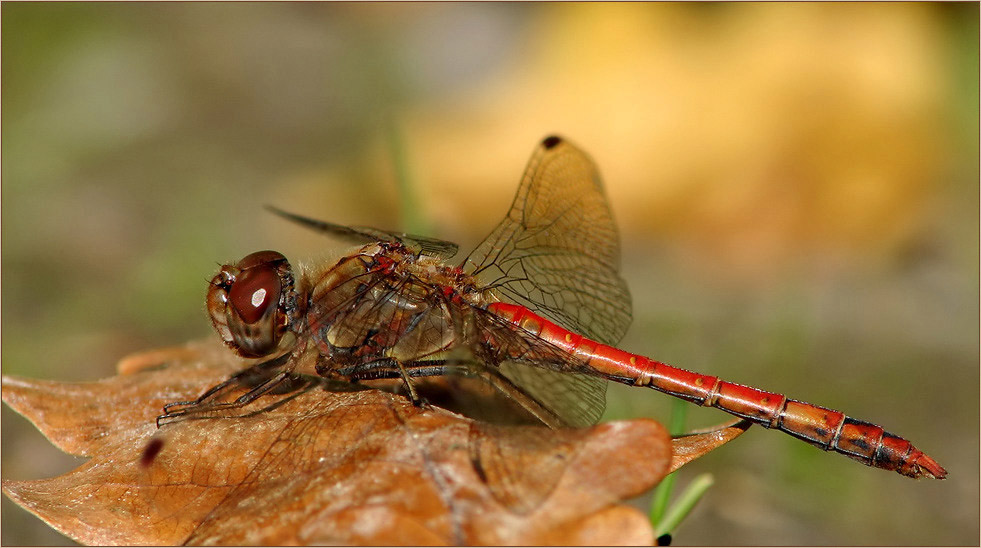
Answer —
(578, 399)
(522, 465)
(557, 251)
(556, 380)
(364, 234)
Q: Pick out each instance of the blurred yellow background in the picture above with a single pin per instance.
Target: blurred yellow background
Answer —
(796, 186)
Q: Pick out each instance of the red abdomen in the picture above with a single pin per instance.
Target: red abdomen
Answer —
(826, 428)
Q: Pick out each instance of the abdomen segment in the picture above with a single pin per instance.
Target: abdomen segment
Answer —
(825, 428)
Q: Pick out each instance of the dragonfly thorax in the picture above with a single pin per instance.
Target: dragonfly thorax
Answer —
(384, 301)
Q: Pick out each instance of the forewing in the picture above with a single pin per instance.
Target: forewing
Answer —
(365, 234)
(557, 251)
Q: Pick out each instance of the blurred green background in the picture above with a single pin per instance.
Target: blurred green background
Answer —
(796, 185)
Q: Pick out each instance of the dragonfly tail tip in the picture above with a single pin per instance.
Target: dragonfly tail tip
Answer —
(926, 467)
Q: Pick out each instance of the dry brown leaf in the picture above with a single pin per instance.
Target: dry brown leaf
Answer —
(321, 467)
(692, 446)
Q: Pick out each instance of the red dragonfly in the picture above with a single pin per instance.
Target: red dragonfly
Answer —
(534, 311)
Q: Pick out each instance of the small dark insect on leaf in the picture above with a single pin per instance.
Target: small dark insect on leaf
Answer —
(664, 540)
(151, 451)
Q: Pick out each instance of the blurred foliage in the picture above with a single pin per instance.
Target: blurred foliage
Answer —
(797, 186)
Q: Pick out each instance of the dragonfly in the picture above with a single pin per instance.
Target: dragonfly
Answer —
(535, 311)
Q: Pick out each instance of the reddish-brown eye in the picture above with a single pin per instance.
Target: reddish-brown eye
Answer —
(249, 303)
(255, 292)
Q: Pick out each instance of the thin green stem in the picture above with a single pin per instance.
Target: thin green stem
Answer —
(662, 494)
(685, 503)
(413, 218)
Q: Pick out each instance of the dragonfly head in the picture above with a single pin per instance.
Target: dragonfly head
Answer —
(250, 303)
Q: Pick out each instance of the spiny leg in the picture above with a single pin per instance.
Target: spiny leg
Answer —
(200, 399)
(259, 371)
(537, 409)
(241, 401)
(392, 369)
(413, 395)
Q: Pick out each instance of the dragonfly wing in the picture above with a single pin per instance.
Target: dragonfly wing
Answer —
(555, 379)
(522, 465)
(364, 234)
(433, 247)
(557, 251)
(578, 399)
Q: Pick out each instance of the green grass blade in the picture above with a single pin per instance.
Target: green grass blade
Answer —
(413, 217)
(686, 502)
(662, 494)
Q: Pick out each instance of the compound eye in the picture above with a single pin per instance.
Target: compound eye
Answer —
(247, 303)
(255, 293)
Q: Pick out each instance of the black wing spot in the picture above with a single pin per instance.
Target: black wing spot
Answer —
(551, 141)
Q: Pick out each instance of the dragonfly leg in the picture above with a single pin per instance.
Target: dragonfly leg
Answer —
(257, 376)
(382, 369)
(387, 368)
(241, 377)
(200, 399)
(507, 387)
(392, 369)
(241, 401)
(416, 400)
